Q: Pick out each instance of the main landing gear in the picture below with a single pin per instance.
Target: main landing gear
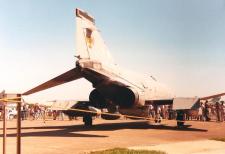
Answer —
(87, 119)
(180, 118)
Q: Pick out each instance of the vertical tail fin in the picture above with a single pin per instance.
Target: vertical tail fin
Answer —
(90, 44)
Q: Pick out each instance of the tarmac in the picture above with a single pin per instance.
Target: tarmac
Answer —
(188, 147)
(59, 137)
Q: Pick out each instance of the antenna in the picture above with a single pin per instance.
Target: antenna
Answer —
(153, 78)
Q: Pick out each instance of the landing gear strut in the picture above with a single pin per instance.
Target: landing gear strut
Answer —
(180, 118)
(87, 119)
(180, 124)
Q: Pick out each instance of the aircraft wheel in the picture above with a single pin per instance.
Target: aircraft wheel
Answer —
(180, 124)
(87, 119)
(180, 118)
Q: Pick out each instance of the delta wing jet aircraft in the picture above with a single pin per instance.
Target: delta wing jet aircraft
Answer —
(114, 88)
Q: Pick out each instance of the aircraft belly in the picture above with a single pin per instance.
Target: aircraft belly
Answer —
(118, 95)
(140, 112)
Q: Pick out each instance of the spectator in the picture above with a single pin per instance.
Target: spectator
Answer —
(207, 111)
(218, 112)
(222, 111)
(200, 113)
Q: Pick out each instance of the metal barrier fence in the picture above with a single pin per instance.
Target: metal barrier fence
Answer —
(4, 100)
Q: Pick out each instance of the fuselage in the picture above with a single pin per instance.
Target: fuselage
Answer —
(120, 87)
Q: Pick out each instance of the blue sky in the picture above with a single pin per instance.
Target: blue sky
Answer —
(181, 43)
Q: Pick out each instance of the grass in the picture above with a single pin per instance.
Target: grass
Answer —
(219, 139)
(126, 151)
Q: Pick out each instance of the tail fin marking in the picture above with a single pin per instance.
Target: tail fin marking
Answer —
(90, 44)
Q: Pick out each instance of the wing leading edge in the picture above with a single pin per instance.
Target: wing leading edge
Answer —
(68, 76)
(212, 96)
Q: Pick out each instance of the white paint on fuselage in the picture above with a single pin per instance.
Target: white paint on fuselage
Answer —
(150, 88)
(91, 47)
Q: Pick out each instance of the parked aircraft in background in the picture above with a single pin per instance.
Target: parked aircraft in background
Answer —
(114, 88)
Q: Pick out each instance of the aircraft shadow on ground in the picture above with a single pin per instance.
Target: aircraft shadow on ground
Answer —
(53, 133)
(71, 131)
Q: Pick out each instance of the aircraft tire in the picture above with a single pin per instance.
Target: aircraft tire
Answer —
(180, 124)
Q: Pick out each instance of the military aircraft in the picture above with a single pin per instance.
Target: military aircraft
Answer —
(114, 88)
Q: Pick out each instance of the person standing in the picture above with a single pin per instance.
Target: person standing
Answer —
(172, 113)
(54, 113)
(200, 113)
(42, 112)
(207, 111)
(152, 110)
(222, 111)
(218, 112)
(23, 116)
(163, 111)
(26, 108)
(158, 117)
